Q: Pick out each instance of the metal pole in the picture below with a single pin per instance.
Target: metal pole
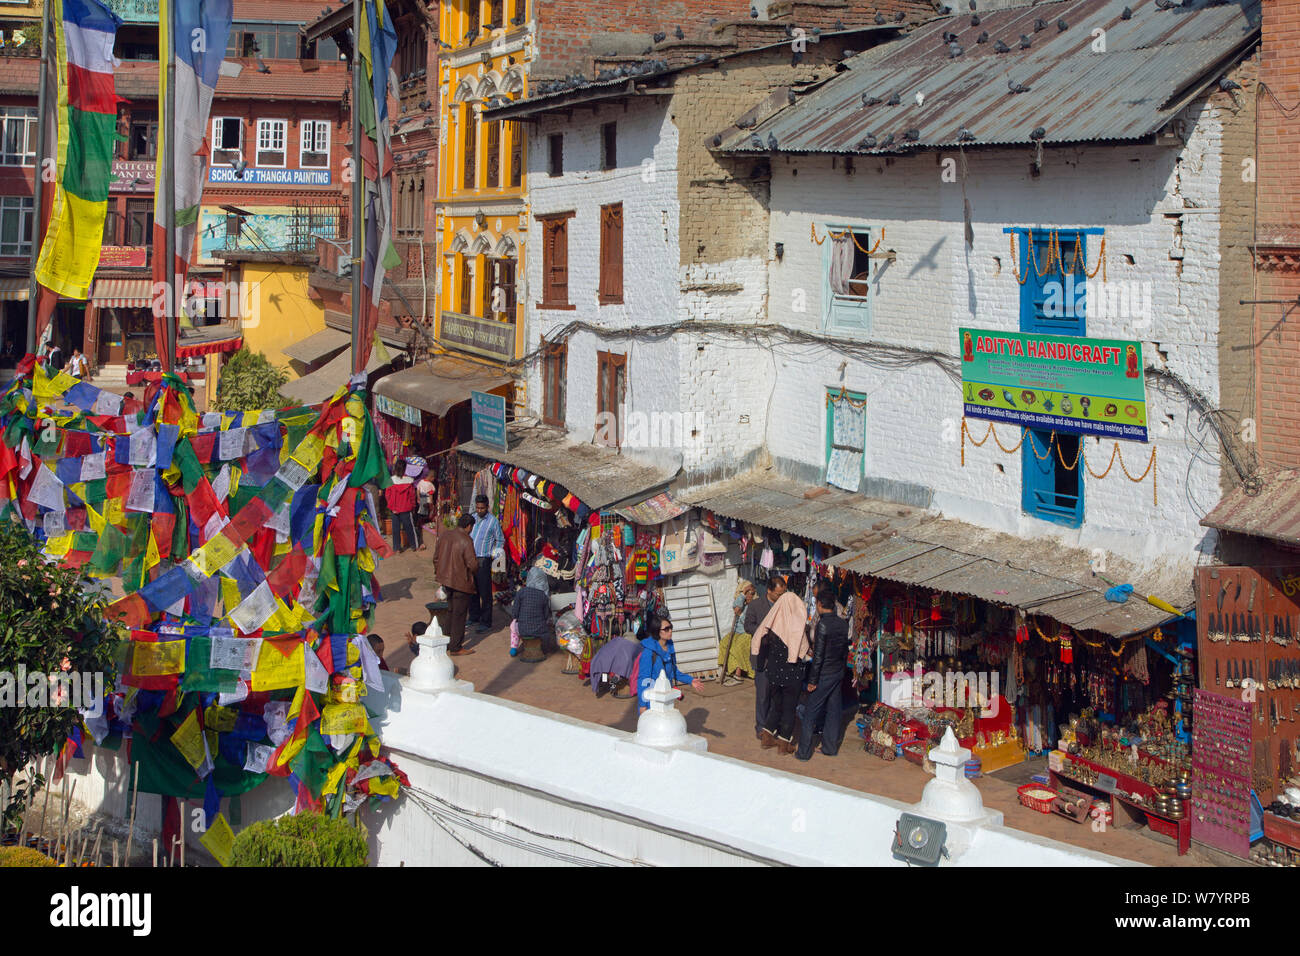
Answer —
(358, 183)
(169, 196)
(38, 191)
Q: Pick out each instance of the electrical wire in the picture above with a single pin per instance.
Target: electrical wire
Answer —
(441, 805)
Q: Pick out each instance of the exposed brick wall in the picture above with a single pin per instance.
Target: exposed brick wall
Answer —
(1236, 272)
(1277, 327)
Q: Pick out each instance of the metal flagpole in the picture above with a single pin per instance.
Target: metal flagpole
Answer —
(358, 182)
(38, 192)
(172, 295)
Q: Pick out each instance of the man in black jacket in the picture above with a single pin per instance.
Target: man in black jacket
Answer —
(755, 611)
(830, 652)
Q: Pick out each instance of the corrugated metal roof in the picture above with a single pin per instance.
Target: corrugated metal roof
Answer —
(917, 547)
(599, 476)
(1274, 512)
(1153, 65)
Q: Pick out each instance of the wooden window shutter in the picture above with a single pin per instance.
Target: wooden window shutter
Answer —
(559, 268)
(471, 147)
(516, 153)
(493, 157)
(611, 253)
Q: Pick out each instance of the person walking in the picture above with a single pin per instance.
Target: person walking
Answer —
(400, 497)
(658, 656)
(825, 676)
(454, 567)
(755, 611)
(77, 365)
(53, 359)
(488, 539)
(787, 623)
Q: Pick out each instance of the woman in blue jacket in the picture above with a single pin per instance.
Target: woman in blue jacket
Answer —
(657, 656)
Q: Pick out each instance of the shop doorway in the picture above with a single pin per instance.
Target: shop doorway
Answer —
(112, 338)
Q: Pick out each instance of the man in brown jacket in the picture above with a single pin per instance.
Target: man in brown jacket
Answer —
(454, 567)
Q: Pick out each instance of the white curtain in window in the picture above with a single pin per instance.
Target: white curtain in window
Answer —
(841, 270)
(848, 440)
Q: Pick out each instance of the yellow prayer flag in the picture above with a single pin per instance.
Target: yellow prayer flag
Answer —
(151, 555)
(274, 671)
(219, 840)
(384, 786)
(115, 511)
(216, 554)
(344, 719)
(149, 659)
(59, 546)
(310, 451)
(230, 593)
(188, 739)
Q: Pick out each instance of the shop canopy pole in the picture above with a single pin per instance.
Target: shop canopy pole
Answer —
(38, 190)
(358, 181)
(169, 197)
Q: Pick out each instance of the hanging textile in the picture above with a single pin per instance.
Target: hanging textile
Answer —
(848, 442)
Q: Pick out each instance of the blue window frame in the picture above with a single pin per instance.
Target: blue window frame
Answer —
(1053, 303)
(848, 311)
(846, 438)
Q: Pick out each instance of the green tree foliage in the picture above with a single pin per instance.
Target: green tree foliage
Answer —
(307, 839)
(250, 382)
(52, 621)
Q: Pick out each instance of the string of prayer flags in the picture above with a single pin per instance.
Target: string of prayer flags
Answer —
(246, 558)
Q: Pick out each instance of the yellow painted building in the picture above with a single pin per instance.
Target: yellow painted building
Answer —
(275, 312)
(482, 181)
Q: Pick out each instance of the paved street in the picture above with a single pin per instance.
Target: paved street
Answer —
(723, 715)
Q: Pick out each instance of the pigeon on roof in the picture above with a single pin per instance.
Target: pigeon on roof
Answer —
(974, 19)
(753, 13)
(1126, 14)
(869, 100)
(1016, 87)
(867, 142)
(1165, 4)
(965, 136)
(880, 18)
(1025, 42)
(1038, 133)
(1061, 25)
(755, 141)
(660, 37)
(912, 135)
(771, 142)
(983, 37)
(955, 50)
(839, 25)
(678, 33)
(898, 17)
(887, 142)
(1039, 25)
(1001, 47)
(894, 100)
(1228, 85)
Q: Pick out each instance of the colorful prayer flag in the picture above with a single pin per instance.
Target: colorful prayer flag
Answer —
(84, 33)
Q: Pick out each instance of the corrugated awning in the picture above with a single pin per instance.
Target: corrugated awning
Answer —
(599, 476)
(437, 386)
(317, 346)
(1274, 512)
(321, 384)
(913, 546)
(122, 293)
(16, 289)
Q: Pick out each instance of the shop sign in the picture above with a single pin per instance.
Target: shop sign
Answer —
(133, 175)
(488, 417)
(1070, 384)
(277, 177)
(135, 11)
(486, 337)
(398, 410)
(123, 257)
